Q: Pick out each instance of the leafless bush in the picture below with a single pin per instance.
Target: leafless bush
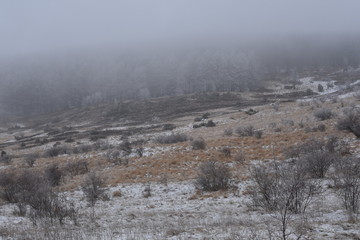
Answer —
(272, 125)
(258, 134)
(332, 144)
(320, 88)
(83, 148)
(6, 159)
(310, 146)
(114, 156)
(287, 122)
(282, 189)
(57, 150)
(69, 140)
(140, 151)
(169, 127)
(102, 145)
(323, 114)
(357, 95)
(226, 151)
(240, 157)
(76, 167)
(321, 127)
(173, 138)
(281, 186)
(210, 123)
(31, 158)
(92, 188)
(245, 131)
(53, 174)
(348, 180)
(29, 188)
(228, 132)
(198, 144)
(126, 147)
(9, 187)
(316, 164)
(205, 115)
(147, 191)
(213, 176)
(350, 122)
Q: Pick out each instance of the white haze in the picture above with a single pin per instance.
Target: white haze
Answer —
(43, 26)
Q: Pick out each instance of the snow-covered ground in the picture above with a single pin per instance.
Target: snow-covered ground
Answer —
(175, 211)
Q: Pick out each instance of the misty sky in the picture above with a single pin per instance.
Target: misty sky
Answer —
(36, 26)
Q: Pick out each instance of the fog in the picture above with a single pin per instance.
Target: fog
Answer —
(49, 26)
(61, 54)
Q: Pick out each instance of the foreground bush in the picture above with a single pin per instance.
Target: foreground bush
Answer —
(32, 190)
(347, 180)
(350, 122)
(213, 176)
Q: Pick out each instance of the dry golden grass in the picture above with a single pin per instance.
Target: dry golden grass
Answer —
(181, 164)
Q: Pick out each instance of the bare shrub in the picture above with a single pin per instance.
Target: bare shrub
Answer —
(92, 188)
(316, 164)
(240, 157)
(57, 150)
(332, 144)
(9, 187)
(168, 127)
(140, 151)
(210, 123)
(281, 185)
(205, 115)
(310, 146)
(69, 140)
(173, 138)
(282, 189)
(226, 151)
(117, 193)
(53, 174)
(31, 158)
(348, 181)
(272, 125)
(228, 132)
(29, 188)
(315, 156)
(77, 167)
(258, 134)
(198, 144)
(102, 145)
(6, 158)
(320, 88)
(126, 147)
(213, 176)
(287, 122)
(113, 156)
(357, 95)
(350, 122)
(321, 127)
(323, 114)
(83, 148)
(245, 131)
(147, 191)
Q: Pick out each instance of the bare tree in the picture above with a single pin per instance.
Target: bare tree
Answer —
(92, 189)
(348, 180)
(284, 190)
